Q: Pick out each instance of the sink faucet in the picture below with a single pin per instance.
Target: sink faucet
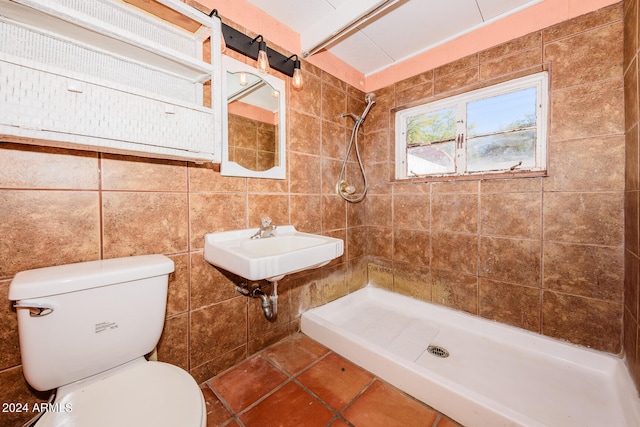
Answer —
(266, 230)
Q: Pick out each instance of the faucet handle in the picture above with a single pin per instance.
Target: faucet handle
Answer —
(266, 221)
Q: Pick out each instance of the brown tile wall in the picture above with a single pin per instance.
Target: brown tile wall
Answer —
(541, 253)
(252, 144)
(632, 181)
(62, 206)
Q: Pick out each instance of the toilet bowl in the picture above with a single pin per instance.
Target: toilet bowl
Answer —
(84, 330)
(139, 394)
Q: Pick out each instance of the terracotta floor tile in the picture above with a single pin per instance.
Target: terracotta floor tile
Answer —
(335, 380)
(217, 414)
(291, 406)
(339, 423)
(296, 353)
(382, 405)
(247, 382)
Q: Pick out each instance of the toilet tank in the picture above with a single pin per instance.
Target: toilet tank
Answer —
(81, 319)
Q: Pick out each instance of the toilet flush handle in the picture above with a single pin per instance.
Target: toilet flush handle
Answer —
(35, 310)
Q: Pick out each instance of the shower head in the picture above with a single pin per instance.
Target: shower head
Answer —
(370, 97)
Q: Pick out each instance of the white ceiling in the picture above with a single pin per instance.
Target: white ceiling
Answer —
(404, 29)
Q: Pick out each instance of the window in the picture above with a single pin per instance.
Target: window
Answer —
(497, 129)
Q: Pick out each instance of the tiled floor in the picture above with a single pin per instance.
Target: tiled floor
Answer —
(300, 383)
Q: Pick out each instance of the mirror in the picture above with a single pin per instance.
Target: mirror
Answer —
(253, 122)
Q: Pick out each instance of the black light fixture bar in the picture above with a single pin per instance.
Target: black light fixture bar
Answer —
(241, 43)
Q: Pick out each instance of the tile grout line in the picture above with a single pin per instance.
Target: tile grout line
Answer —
(263, 398)
(234, 416)
(357, 396)
(294, 379)
(337, 413)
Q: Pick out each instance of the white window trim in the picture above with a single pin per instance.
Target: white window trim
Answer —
(539, 80)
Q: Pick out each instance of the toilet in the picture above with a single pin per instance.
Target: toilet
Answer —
(85, 329)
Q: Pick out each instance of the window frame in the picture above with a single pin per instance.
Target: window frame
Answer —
(539, 81)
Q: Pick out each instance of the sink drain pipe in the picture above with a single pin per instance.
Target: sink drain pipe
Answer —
(269, 302)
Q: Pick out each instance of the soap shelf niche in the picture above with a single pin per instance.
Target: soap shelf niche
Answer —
(106, 76)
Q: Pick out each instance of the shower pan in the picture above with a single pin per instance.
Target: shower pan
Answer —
(343, 188)
(477, 371)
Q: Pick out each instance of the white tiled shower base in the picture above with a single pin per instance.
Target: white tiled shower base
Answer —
(495, 375)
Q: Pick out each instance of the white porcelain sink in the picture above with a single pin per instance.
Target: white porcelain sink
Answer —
(270, 258)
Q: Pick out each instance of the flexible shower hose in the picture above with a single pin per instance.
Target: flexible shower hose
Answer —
(341, 192)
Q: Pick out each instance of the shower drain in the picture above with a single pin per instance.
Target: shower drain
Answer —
(438, 351)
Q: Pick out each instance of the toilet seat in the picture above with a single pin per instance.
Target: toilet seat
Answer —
(146, 394)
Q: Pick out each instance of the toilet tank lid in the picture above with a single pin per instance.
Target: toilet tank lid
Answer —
(61, 279)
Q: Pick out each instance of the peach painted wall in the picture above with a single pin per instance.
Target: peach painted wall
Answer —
(534, 18)
(252, 112)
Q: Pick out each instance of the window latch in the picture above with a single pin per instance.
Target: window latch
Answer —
(459, 140)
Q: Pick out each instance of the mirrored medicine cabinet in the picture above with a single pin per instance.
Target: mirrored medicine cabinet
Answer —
(253, 122)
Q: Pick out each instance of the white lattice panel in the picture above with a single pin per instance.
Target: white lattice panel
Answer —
(127, 18)
(36, 100)
(60, 88)
(26, 43)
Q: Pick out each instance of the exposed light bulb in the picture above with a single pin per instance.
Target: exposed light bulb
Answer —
(297, 78)
(242, 79)
(263, 62)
